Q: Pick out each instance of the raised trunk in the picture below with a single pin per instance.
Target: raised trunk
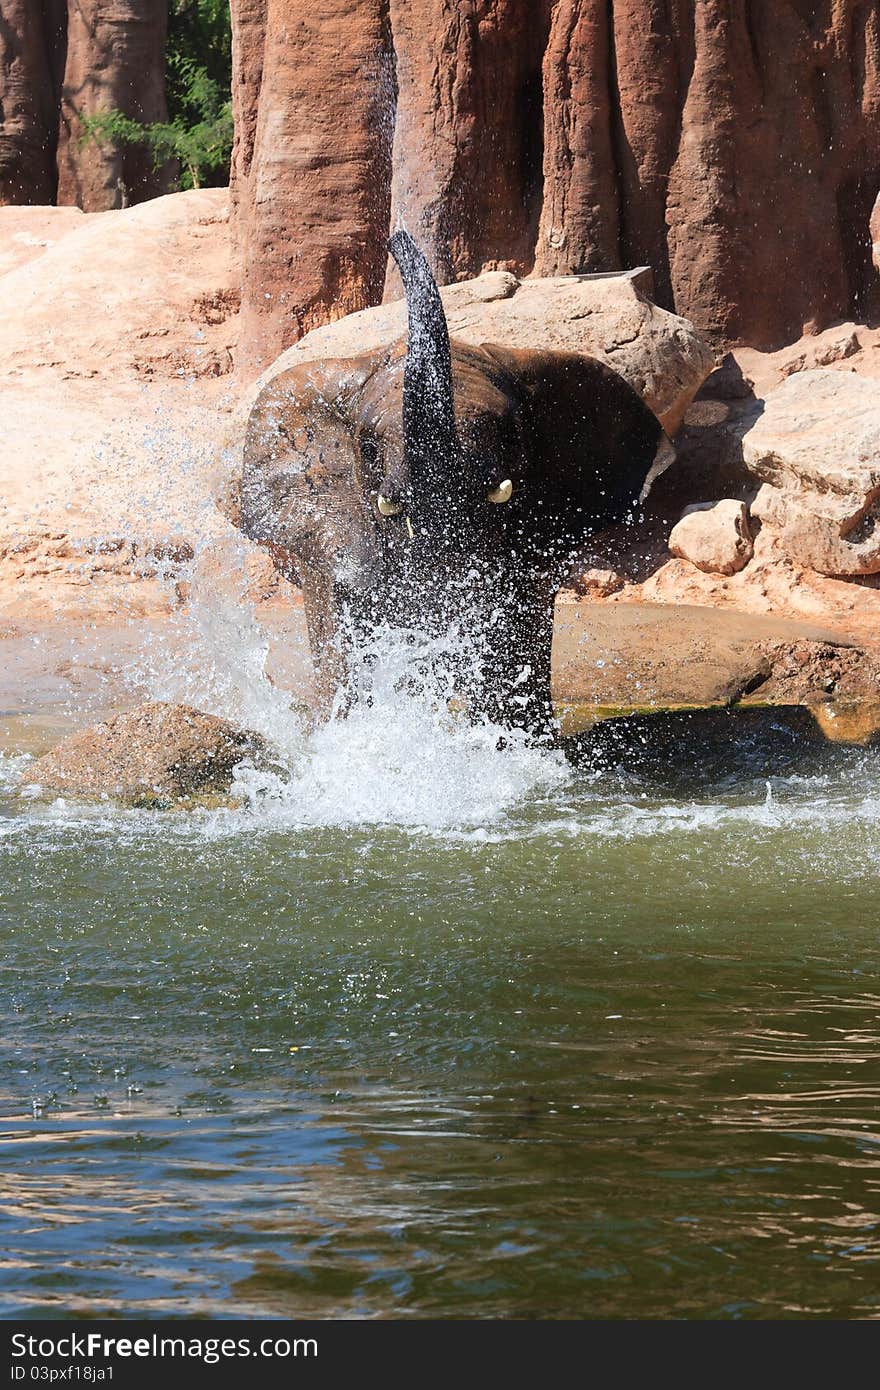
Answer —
(428, 414)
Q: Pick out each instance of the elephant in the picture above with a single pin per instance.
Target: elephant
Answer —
(431, 484)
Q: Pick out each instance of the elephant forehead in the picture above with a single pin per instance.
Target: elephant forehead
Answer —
(476, 395)
(381, 405)
(478, 399)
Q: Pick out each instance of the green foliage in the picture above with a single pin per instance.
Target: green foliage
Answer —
(198, 76)
(199, 39)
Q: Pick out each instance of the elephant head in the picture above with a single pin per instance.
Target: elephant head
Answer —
(434, 482)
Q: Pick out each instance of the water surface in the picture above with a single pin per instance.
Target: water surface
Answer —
(430, 1029)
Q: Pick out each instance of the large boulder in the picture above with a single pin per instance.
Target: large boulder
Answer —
(613, 659)
(607, 316)
(815, 448)
(153, 755)
(714, 536)
(145, 291)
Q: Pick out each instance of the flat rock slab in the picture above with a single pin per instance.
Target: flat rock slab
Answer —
(661, 355)
(621, 659)
(154, 755)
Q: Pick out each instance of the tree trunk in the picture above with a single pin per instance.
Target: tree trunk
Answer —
(115, 61)
(31, 60)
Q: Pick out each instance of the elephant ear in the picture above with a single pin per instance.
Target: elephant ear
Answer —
(297, 492)
(592, 446)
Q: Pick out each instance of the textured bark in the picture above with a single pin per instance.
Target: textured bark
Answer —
(311, 170)
(733, 145)
(115, 61)
(466, 176)
(31, 57)
(580, 219)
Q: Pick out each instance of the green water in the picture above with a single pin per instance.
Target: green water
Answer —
(612, 1051)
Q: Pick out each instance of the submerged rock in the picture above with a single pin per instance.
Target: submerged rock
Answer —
(714, 536)
(154, 755)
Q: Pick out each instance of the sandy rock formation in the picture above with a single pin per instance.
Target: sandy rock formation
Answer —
(714, 536)
(566, 137)
(615, 658)
(156, 754)
(710, 465)
(151, 288)
(875, 233)
(27, 232)
(660, 355)
(116, 337)
(815, 448)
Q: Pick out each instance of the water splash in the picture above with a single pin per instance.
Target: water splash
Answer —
(401, 759)
(401, 756)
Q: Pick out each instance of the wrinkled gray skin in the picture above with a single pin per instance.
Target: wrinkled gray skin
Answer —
(432, 428)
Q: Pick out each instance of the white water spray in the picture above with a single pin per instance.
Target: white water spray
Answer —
(400, 756)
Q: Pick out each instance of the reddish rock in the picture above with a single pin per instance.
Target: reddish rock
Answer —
(248, 33)
(31, 54)
(115, 61)
(314, 93)
(875, 233)
(595, 583)
(580, 217)
(466, 170)
(729, 145)
(61, 60)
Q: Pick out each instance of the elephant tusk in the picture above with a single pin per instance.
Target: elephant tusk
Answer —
(387, 508)
(502, 493)
(663, 459)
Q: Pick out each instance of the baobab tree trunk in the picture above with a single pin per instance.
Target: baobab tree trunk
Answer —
(31, 63)
(115, 61)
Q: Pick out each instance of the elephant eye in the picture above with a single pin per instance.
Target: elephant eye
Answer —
(387, 507)
(502, 493)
